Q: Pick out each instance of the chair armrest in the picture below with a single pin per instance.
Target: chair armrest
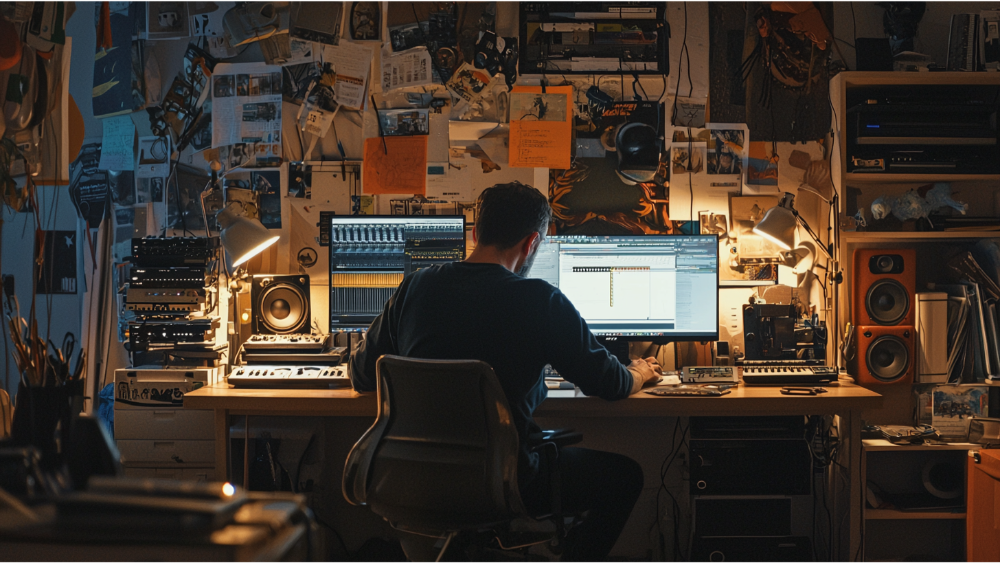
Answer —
(561, 437)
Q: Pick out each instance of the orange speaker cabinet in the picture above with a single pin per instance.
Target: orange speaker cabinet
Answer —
(885, 354)
(885, 287)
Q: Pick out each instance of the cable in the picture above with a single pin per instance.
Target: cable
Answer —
(677, 88)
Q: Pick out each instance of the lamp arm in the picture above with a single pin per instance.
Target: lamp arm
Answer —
(813, 234)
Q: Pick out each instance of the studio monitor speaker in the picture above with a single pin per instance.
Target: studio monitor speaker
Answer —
(885, 354)
(885, 287)
(280, 304)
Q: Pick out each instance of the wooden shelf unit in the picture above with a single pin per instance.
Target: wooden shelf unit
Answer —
(892, 514)
(944, 529)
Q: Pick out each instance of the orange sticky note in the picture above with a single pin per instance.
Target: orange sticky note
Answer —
(398, 167)
(541, 127)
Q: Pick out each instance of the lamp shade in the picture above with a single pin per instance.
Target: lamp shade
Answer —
(779, 224)
(242, 237)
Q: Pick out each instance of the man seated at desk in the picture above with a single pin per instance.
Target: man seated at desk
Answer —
(484, 308)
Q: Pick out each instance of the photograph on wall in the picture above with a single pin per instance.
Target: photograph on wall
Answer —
(762, 166)
(267, 184)
(404, 121)
(297, 80)
(726, 150)
(88, 185)
(148, 190)
(57, 272)
(687, 158)
(122, 186)
(167, 20)
(299, 180)
(365, 21)
(538, 107)
(954, 405)
(317, 21)
(745, 258)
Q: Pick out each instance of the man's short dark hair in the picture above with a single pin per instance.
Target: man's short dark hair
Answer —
(506, 213)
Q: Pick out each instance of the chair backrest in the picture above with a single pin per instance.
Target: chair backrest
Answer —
(442, 454)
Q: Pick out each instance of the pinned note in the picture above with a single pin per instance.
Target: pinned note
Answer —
(399, 166)
(541, 127)
(118, 144)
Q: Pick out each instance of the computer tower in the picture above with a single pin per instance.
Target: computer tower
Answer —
(755, 455)
(751, 485)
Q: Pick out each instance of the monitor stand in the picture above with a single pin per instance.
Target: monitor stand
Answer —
(617, 346)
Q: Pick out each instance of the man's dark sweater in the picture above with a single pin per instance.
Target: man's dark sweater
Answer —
(485, 312)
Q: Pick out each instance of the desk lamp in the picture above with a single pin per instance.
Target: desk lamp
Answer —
(780, 224)
(242, 237)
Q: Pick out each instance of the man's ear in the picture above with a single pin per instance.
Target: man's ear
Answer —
(528, 241)
(475, 236)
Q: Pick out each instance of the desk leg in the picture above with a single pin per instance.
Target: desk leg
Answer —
(222, 445)
(856, 521)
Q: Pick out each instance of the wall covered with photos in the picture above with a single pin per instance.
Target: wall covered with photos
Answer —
(377, 110)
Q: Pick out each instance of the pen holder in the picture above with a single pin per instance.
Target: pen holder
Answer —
(38, 412)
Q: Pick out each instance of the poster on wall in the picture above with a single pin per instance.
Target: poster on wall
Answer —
(745, 258)
(88, 184)
(246, 106)
(57, 272)
(592, 197)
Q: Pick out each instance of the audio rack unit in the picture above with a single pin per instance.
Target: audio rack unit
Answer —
(141, 334)
(174, 251)
(166, 301)
(184, 277)
(593, 37)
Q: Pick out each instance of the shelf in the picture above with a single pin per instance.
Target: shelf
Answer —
(854, 178)
(854, 79)
(929, 236)
(887, 446)
(893, 514)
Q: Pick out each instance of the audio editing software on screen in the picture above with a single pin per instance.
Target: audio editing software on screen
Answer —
(369, 255)
(635, 286)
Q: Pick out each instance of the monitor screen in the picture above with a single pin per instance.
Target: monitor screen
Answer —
(370, 254)
(637, 287)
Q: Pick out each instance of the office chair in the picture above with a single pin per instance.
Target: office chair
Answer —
(441, 457)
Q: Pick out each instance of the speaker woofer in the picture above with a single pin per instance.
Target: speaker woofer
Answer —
(888, 358)
(887, 302)
(283, 308)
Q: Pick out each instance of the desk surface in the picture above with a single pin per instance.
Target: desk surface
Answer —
(347, 402)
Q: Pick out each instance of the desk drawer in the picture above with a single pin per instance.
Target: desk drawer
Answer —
(171, 452)
(164, 424)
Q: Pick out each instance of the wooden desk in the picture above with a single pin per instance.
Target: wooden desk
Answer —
(847, 401)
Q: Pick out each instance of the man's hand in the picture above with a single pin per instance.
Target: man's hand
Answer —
(644, 371)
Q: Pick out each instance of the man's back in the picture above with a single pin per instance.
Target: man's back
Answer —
(485, 312)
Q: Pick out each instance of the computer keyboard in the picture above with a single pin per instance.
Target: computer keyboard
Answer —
(776, 374)
(280, 377)
(687, 391)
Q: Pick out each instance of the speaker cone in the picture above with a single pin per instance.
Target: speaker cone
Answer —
(887, 302)
(282, 308)
(888, 358)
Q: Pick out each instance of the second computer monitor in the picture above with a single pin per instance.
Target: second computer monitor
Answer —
(656, 288)
(370, 254)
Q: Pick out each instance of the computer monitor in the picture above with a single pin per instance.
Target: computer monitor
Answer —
(635, 287)
(370, 254)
